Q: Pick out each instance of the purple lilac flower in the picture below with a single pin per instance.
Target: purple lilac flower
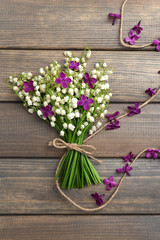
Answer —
(98, 198)
(132, 37)
(129, 157)
(63, 80)
(28, 86)
(74, 65)
(114, 16)
(110, 183)
(47, 111)
(125, 169)
(137, 28)
(89, 80)
(159, 72)
(134, 110)
(157, 44)
(85, 102)
(152, 153)
(113, 116)
(151, 91)
(113, 125)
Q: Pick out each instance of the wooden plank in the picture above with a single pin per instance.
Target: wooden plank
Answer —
(133, 71)
(25, 135)
(27, 186)
(73, 24)
(79, 227)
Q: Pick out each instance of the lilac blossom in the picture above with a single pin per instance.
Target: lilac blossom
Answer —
(28, 86)
(113, 125)
(90, 81)
(63, 80)
(113, 116)
(98, 198)
(129, 157)
(110, 183)
(125, 169)
(85, 102)
(151, 153)
(47, 111)
(132, 38)
(134, 110)
(137, 28)
(151, 91)
(114, 16)
(157, 44)
(74, 65)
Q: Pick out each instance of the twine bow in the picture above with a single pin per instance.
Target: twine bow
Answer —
(59, 143)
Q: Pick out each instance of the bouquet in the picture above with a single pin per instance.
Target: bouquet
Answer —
(74, 102)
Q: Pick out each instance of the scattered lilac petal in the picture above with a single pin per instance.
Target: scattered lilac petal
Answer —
(132, 37)
(114, 16)
(110, 183)
(151, 91)
(157, 44)
(129, 157)
(98, 198)
(151, 153)
(113, 125)
(125, 169)
(137, 28)
(134, 110)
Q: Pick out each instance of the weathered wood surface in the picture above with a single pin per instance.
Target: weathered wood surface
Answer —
(79, 227)
(133, 73)
(26, 135)
(27, 186)
(73, 24)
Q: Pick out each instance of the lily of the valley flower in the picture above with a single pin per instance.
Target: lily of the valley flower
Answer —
(157, 44)
(151, 91)
(90, 81)
(110, 183)
(132, 37)
(125, 169)
(85, 102)
(28, 86)
(134, 110)
(129, 157)
(151, 153)
(47, 111)
(63, 80)
(98, 198)
(114, 16)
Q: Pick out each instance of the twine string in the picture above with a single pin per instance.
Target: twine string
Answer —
(59, 143)
(121, 30)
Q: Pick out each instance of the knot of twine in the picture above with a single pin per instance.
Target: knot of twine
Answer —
(84, 148)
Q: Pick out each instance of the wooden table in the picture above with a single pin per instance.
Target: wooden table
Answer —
(32, 33)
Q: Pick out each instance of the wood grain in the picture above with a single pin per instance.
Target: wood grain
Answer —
(27, 186)
(25, 135)
(79, 227)
(73, 24)
(133, 73)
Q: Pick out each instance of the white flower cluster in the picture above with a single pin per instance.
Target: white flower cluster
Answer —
(56, 95)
